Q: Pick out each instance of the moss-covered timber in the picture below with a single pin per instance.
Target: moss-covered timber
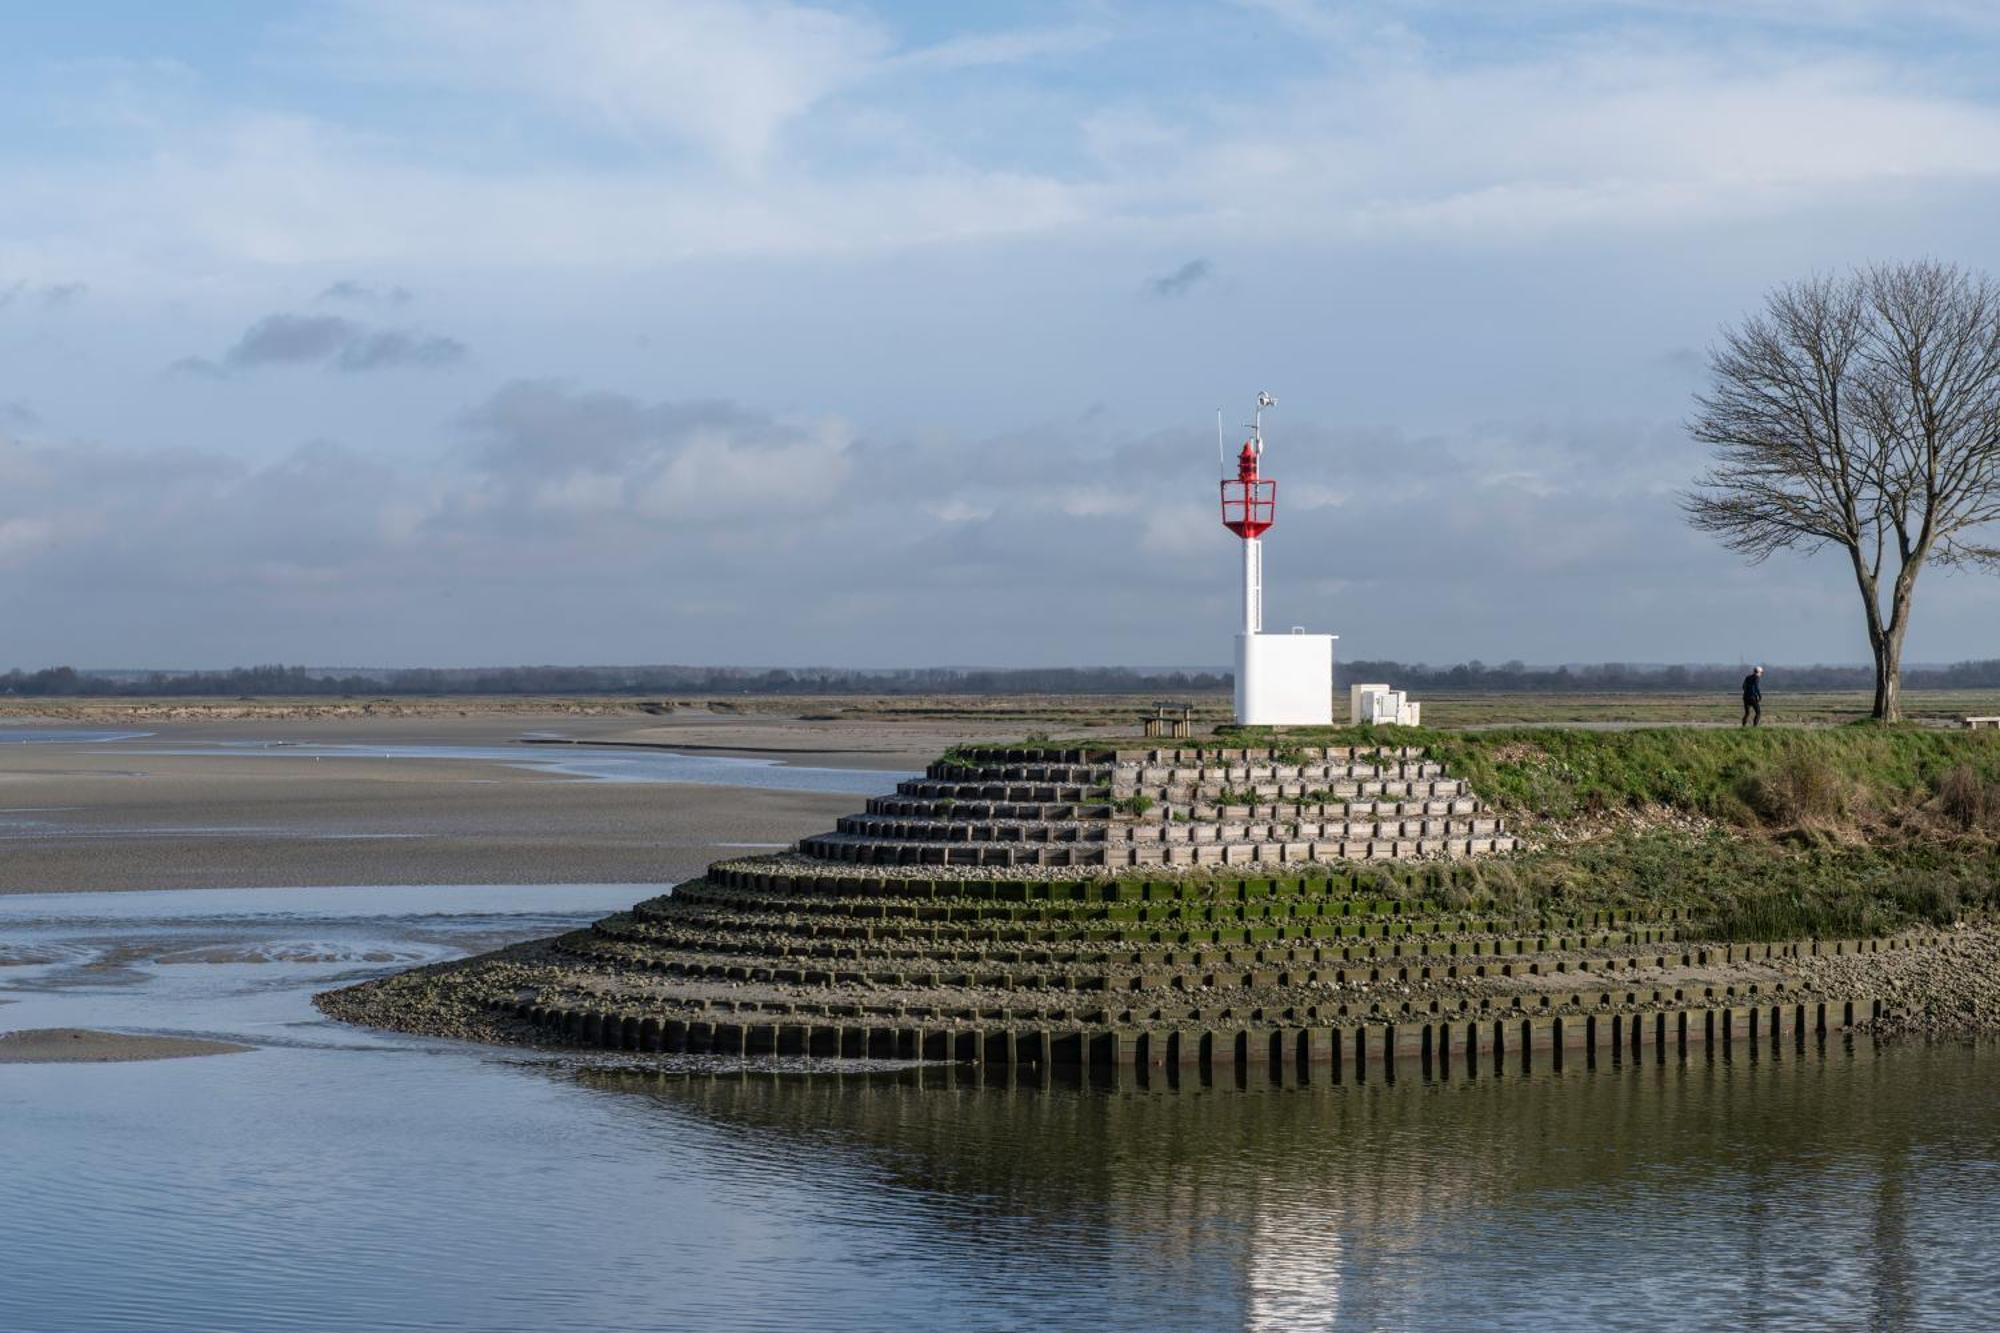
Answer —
(1673, 881)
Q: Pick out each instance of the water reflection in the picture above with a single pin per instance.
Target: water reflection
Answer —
(335, 1177)
(1852, 1190)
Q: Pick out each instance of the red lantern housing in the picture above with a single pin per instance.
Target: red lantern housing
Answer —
(1249, 503)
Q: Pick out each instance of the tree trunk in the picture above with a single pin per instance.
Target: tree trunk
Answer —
(1888, 682)
(1889, 657)
(1889, 672)
(1885, 642)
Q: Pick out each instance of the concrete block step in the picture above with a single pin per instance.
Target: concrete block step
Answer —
(1147, 775)
(851, 850)
(910, 807)
(889, 829)
(953, 771)
(1045, 793)
(1345, 789)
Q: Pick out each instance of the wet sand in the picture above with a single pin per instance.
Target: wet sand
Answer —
(63, 1046)
(80, 816)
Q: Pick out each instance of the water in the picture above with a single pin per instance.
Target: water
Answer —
(337, 1178)
(602, 765)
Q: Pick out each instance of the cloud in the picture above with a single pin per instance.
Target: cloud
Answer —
(771, 537)
(196, 367)
(48, 296)
(1182, 280)
(723, 76)
(327, 340)
(547, 453)
(362, 294)
(382, 349)
(291, 340)
(1010, 47)
(728, 79)
(1602, 128)
(864, 244)
(17, 415)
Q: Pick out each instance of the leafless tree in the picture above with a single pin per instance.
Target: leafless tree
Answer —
(1860, 413)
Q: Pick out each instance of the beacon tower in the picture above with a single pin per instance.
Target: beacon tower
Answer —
(1282, 680)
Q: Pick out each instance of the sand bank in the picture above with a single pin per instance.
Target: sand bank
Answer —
(50, 1046)
(82, 816)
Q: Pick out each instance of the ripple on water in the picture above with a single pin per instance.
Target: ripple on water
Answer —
(334, 1178)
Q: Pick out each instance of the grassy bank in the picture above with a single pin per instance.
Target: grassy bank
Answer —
(1762, 834)
(1856, 778)
(1769, 834)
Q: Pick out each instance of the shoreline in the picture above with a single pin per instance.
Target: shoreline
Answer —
(70, 1046)
(1925, 985)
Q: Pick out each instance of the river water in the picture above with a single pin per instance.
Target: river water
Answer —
(336, 1178)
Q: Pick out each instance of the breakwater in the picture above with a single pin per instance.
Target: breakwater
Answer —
(1302, 909)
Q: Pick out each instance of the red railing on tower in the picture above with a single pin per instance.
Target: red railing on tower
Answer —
(1249, 502)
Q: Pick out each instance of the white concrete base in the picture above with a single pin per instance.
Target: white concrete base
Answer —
(1284, 680)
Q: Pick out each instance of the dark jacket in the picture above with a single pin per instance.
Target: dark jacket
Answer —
(1753, 689)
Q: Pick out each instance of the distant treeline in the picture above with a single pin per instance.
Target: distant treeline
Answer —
(1467, 677)
(297, 680)
(1620, 677)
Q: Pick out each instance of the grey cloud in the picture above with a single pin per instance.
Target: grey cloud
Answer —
(363, 294)
(17, 414)
(1183, 279)
(390, 347)
(197, 367)
(49, 295)
(333, 341)
(554, 458)
(189, 526)
(628, 526)
(291, 339)
(544, 427)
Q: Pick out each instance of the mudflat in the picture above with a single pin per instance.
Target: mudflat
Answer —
(190, 805)
(57, 1046)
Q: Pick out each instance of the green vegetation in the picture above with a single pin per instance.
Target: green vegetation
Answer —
(1756, 889)
(1861, 774)
(1133, 805)
(1767, 834)
(1760, 834)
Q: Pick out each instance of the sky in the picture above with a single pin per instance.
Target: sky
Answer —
(434, 332)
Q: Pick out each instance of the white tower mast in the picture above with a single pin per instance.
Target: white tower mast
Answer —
(1253, 545)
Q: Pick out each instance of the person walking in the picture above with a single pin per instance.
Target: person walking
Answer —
(1753, 698)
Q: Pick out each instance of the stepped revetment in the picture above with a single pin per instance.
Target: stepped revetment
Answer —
(1106, 908)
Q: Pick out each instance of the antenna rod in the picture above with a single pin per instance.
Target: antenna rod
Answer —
(1221, 451)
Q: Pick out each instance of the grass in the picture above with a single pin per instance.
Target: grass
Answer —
(1859, 775)
(1745, 889)
(1781, 707)
(1772, 833)
(1747, 777)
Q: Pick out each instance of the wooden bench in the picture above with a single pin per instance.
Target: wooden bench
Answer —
(1975, 723)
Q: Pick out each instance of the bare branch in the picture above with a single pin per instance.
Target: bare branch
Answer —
(1863, 413)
